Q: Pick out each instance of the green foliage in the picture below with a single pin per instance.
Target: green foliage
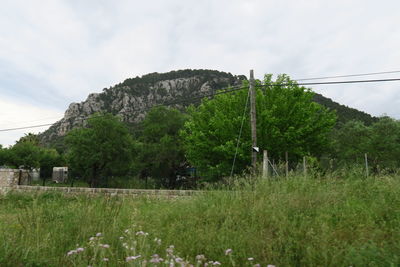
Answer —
(385, 143)
(287, 120)
(100, 151)
(29, 138)
(187, 73)
(381, 141)
(159, 150)
(28, 154)
(352, 141)
(4, 156)
(295, 222)
(49, 158)
(25, 155)
(152, 89)
(344, 113)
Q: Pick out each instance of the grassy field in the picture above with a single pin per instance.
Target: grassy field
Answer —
(326, 221)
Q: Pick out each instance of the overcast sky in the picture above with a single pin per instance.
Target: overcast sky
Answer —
(55, 52)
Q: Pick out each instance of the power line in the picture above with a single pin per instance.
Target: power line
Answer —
(349, 75)
(26, 127)
(347, 82)
(175, 102)
(236, 88)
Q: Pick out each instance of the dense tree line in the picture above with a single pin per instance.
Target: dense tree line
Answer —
(170, 142)
(28, 154)
(380, 141)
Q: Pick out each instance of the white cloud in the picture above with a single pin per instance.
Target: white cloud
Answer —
(15, 114)
(55, 52)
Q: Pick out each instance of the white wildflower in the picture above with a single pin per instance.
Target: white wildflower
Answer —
(200, 257)
(71, 252)
(132, 258)
(228, 251)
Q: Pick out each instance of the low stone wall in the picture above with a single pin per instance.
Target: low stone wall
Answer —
(106, 191)
(12, 177)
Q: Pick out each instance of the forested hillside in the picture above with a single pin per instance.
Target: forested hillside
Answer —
(343, 112)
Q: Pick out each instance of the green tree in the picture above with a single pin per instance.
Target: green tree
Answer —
(100, 151)
(351, 141)
(25, 155)
(160, 153)
(287, 120)
(30, 138)
(49, 158)
(381, 141)
(3, 156)
(384, 150)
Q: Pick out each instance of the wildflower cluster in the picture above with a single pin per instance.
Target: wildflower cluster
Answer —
(96, 251)
(137, 249)
(75, 251)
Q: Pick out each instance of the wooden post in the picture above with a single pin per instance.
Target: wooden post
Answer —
(287, 164)
(20, 177)
(273, 166)
(304, 166)
(253, 121)
(265, 164)
(366, 164)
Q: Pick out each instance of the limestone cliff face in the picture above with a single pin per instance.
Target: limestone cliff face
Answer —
(134, 97)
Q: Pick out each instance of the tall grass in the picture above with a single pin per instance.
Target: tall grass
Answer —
(335, 220)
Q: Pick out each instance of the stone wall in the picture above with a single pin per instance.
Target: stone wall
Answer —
(106, 191)
(12, 177)
(9, 182)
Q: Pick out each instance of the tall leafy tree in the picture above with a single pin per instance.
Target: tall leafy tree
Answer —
(351, 141)
(385, 143)
(287, 120)
(3, 156)
(25, 155)
(29, 138)
(49, 158)
(100, 151)
(159, 149)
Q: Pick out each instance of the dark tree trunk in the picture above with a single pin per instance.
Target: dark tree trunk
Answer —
(94, 180)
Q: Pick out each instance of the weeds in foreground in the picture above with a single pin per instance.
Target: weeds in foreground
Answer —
(332, 220)
(140, 249)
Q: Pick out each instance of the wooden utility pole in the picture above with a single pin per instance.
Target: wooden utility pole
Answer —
(253, 121)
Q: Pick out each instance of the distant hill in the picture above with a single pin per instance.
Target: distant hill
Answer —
(343, 112)
(132, 98)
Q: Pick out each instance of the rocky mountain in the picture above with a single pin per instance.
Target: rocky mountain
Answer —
(132, 98)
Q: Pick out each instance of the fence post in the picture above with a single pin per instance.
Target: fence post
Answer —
(304, 166)
(265, 164)
(287, 164)
(366, 164)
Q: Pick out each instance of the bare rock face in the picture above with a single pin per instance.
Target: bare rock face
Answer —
(133, 98)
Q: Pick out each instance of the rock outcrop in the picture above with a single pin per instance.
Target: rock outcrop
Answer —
(134, 97)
